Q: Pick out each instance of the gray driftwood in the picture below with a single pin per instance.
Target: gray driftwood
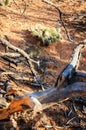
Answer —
(59, 92)
(52, 95)
(71, 68)
(42, 100)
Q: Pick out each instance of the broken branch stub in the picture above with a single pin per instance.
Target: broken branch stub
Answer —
(71, 68)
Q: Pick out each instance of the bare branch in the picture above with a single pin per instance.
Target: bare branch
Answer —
(52, 4)
(68, 72)
(54, 95)
(13, 55)
(23, 53)
(39, 101)
(60, 16)
(81, 73)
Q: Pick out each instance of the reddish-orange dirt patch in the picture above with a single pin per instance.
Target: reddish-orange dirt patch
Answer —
(69, 115)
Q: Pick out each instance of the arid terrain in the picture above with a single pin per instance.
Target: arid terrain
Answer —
(14, 27)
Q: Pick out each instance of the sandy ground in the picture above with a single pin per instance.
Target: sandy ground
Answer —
(15, 26)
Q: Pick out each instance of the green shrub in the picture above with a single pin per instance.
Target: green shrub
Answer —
(46, 34)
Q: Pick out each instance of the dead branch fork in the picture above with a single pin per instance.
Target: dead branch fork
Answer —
(25, 6)
(38, 101)
(23, 53)
(60, 92)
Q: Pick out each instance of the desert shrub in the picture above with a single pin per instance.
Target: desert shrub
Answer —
(46, 34)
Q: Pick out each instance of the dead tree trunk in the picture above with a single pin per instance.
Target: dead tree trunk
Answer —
(61, 93)
(53, 95)
(39, 101)
(42, 100)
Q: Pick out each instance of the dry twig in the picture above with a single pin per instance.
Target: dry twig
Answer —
(60, 16)
(23, 53)
(13, 55)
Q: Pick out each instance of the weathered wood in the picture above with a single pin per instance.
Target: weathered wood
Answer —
(81, 73)
(15, 106)
(55, 95)
(79, 76)
(20, 104)
(14, 55)
(23, 53)
(71, 68)
(9, 60)
(26, 56)
(38, 101)
(52, 4)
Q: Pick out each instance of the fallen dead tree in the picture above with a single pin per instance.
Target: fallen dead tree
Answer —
(38, 101)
